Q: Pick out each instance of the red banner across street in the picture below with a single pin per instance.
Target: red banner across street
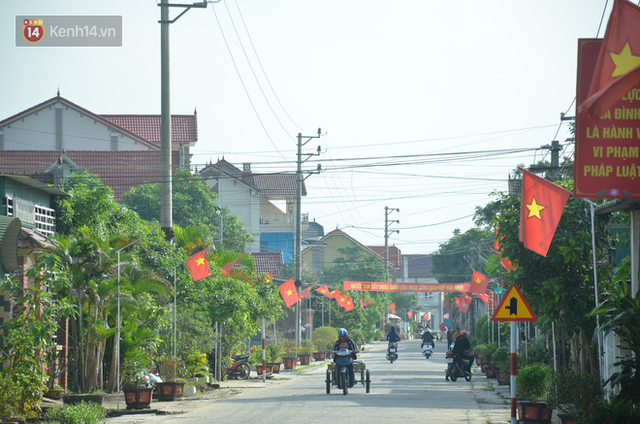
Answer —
(405, 287)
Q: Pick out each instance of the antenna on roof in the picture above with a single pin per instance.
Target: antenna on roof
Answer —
(58, 93)
(195, 110)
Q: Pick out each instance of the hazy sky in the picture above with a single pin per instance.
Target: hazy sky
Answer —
(425, 106)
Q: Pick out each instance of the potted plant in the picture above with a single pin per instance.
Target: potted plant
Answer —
(54, 392)
(196, 365)
(501, 360)
(289, 355)
(533, 382)
(171, 368)
(571, 392)
(136, 389)
(190, 389)
(305, 352)
(273, 357)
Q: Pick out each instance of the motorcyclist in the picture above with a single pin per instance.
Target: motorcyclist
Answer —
(462, 348)
(427, 337)
(393, 337)
(345, 342)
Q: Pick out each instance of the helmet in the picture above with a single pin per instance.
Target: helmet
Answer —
(342, 332)
(463, 333)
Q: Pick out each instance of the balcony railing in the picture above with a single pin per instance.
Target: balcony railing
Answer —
(282, 219)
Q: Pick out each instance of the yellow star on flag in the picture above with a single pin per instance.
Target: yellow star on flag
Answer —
(534, 209)
(624, 61)
(323, 290)
(478, 280)
(289, 292)
(200, 261)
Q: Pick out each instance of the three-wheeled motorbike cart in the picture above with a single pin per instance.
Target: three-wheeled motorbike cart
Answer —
(336, 379)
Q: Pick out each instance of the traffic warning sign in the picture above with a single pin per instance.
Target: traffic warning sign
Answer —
(514, 307)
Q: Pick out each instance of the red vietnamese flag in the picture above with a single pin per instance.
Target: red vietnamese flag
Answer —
(478, 283)
(506, 263)
(198, 266)
(334, 294)
(325, 291)
(410, 314)
(341, 298)
(348, 305)
(288, 292)
(446, 316)
(228, 267)
(305, 293)
(465, 302)
(484, 297)
(392, 307)
(541, 208)
(496, 242)
(618, 66)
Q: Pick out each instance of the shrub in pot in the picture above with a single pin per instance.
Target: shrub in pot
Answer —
(533, 383)
(571, 392)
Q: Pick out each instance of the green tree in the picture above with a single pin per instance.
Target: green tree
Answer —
(559, 287)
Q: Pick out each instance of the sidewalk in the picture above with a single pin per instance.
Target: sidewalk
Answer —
(186, 404)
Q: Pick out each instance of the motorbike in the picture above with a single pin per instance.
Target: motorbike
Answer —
(457, 367)
(241, 367)
(427, 349)
(392, 352)
(342, 359)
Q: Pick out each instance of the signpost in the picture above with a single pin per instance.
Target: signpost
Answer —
(513, 307)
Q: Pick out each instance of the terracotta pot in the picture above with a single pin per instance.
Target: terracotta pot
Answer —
(139, 398)
(531, 413)
(290, 362)
(319, 356)
(76, 398)
(275, 366)
(503, 378)
(54, 393)
(170, 391)
(567, 419)
(305, 358)
(490, 371)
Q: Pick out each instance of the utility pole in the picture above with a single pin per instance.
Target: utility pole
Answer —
(166, 172)
(298, 235)
(387, 211)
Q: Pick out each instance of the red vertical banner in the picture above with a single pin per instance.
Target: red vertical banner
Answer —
(607, 147)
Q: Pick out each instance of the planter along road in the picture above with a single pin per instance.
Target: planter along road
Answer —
(412, 389)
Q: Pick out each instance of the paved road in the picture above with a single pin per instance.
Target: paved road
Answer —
(411, 389)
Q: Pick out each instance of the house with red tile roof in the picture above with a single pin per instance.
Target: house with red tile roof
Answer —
(319, 258)
(264, 203)
(57, 137)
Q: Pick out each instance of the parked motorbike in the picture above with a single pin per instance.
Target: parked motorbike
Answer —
(392, 352)
(241, 367)
(427, 350)
(457, 367)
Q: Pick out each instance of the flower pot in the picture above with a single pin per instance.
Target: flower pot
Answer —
(268, 369)
(503, 378)
(138, 398)
(189, 391)
(55, 394)
(533, 413)
(490, 371)
(319, 356)
(567, 419)
(275, 366)
(305, 358)
(290, 362)
(76, 398)
(169, 391)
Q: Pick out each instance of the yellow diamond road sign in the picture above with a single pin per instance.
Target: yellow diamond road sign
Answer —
(513, 307)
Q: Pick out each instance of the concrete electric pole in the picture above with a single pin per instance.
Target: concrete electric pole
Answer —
(298, 229)
(387, 211)
(166, 172)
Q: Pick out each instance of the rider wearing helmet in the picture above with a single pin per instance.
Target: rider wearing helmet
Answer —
(462, 348)
(345, 342)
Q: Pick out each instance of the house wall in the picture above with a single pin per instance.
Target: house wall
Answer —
(242, 202)
(58, 127)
